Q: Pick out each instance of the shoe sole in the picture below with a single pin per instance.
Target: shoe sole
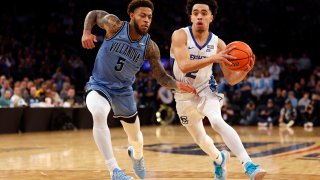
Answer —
(260, 175)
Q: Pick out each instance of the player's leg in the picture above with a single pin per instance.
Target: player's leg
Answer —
(135, 151)
(192, 120)
(231, 138)
(205, 142)
(126, 111)
(100, 108)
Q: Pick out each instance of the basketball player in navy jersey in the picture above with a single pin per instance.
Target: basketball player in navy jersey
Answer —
(194, 51)
(125, 47)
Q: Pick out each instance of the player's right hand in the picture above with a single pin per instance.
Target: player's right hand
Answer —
(223, 56)
(88, 40)
(184, 87)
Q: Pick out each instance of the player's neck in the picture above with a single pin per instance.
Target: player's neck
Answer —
(134, 35)
(200, 37)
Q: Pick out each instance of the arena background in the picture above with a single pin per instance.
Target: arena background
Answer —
(42, 37)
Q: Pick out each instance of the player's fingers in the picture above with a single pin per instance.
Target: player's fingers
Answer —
(95, 38)
(85, 44)
(247, 68)
(88, 43)
(228, 56)
(229, 49)
(226, 61)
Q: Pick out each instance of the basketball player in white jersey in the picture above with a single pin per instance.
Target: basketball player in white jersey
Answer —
(194, 50)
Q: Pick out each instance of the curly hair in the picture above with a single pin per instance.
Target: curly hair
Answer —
(134, 4)
(213, 6)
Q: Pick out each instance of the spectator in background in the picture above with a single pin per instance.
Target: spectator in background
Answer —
(292, 99)
(288, 114)
(72, 100)
(304, 102)
(5, 100)
(16, 99)
(59, 78)
(6, 86)
(64, 91)
(309, 116)
(249, 114)
(55, 95)
(267, 114)
(259, 86)
(2, 79)
(230, 113)
(275, 71)
(279, 98)
(32, 100)
(245, 91)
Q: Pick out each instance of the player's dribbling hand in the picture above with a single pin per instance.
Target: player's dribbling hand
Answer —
(88, 40)
(183, 87)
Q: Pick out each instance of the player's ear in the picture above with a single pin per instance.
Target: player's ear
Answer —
(212, 17)
(131, 15)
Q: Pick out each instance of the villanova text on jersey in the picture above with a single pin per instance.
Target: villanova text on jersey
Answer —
(125, 50)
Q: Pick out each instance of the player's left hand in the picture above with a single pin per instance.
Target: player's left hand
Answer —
(184, 87)
(249, 66)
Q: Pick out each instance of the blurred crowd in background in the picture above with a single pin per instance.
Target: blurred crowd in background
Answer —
(42, 63)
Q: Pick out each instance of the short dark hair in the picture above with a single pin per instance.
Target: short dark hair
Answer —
(134, 4)
(213, 6)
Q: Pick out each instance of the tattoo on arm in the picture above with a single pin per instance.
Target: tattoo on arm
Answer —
(158, 72)
(109, 22)
(93, 18)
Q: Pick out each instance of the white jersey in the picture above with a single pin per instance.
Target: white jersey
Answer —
(200, 78)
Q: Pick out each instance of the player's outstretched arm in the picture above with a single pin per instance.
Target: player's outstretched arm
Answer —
(104, 20)
(158, 72)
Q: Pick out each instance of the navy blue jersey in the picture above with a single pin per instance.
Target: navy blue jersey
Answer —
(119, 59)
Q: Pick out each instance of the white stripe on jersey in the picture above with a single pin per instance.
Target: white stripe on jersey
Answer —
(201, 77)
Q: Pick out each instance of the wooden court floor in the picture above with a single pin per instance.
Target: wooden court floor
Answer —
(169, 154)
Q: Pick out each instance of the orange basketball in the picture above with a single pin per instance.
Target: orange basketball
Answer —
(242, 52)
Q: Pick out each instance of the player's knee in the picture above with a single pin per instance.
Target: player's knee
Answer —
(99, 113)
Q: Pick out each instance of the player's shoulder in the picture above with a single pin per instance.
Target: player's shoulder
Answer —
(179, 34)
(112, 23)
(221, 44)
(152, 46)
(179, 31)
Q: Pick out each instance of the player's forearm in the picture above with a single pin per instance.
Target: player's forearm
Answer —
(233, 77)
(165, 80)
(92, 19)
(193, 65)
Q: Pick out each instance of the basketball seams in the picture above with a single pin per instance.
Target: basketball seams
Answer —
(242, 53)
(241, 58)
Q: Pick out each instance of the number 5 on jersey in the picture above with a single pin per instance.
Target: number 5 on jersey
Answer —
(120, 64)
